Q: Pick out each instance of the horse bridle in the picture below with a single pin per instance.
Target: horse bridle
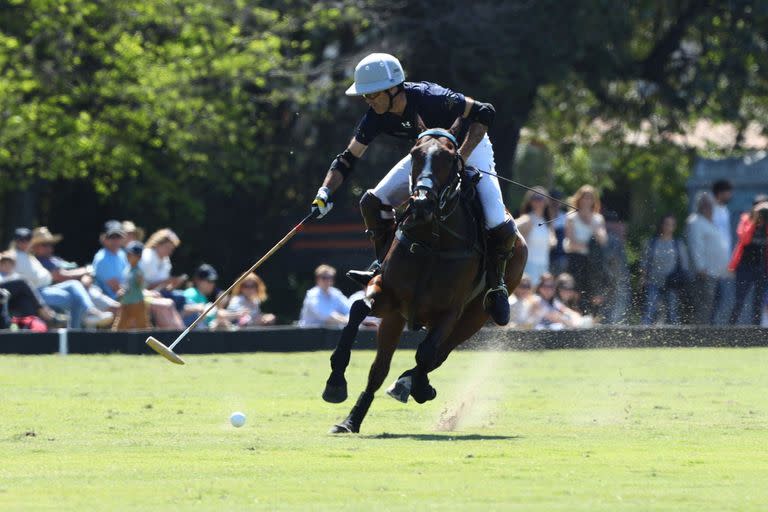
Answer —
(425, 184)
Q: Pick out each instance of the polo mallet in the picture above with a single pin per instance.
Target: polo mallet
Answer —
(167, 352)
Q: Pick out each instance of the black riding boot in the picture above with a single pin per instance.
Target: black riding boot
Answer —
(501, 245)
(381, 231)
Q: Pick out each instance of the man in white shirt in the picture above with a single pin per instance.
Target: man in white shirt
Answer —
(709, 257)
(722, 190)
(324, 305)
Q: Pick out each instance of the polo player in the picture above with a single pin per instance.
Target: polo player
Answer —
(399, 109)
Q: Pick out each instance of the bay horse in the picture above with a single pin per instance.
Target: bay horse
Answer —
(433, 276)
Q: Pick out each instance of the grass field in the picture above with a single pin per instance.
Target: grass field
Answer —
(663, 429)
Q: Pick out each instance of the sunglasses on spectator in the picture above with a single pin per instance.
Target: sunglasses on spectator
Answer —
(372, 96)
(248, 285)
(546, 286)
(325, 276)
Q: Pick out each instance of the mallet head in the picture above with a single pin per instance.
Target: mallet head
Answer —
(163, 350)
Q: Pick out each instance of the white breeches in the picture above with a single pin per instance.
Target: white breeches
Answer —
(394, 188)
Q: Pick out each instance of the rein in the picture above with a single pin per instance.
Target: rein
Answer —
(450, 198)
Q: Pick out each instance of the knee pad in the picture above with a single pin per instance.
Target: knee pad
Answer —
(504, 236)
(371, 208)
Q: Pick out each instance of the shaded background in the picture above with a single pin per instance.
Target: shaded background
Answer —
(219, 118)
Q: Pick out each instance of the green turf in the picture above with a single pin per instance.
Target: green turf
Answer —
(674, 429)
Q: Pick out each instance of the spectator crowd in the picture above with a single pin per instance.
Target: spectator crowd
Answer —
(577, 274)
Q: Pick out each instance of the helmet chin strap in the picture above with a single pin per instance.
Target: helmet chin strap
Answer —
(393, 96)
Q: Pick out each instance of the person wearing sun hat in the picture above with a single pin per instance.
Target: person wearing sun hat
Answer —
(70, 296)
(43, 247)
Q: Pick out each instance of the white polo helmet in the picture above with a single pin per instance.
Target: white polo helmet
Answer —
(376, 72)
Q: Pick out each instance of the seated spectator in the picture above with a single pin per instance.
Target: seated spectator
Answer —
(534, 224)
(21, 299)
(552, 313)
(110, 263)
(156, 265)
(522, 305)
(565, 287)
(133, 312)
(69, 296)
(324, 305)
(198, 296)
(244, 308)
(585, 236)
(43, 243)
(664, 257)
(132, 233)
(43, 246)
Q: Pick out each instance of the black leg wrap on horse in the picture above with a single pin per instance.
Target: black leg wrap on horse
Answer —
(336, 386)
(340, 356)
(501, 247)
(425, 355)
(356, 416)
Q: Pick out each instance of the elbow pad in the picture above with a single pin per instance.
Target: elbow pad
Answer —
(483, 113)
(344, 163)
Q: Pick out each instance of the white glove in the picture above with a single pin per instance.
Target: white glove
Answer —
(321, 205)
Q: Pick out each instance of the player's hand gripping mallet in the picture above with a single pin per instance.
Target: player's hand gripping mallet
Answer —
(167, 352)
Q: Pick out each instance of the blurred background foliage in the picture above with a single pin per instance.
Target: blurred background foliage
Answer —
(219, 118)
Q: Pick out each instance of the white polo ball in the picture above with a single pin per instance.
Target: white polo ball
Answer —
(237, 419)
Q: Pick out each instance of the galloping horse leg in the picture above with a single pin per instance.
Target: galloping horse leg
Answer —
(336, 386)
(415, 381)
(388, 337)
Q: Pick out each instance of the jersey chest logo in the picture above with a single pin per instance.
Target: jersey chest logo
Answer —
(406, 125)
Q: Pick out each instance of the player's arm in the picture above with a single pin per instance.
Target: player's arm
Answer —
(481, 117)
(343, 165)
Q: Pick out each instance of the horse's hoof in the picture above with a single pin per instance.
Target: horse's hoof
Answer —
(343, 428)
(335, 394)
(426, 395)
(401, 389)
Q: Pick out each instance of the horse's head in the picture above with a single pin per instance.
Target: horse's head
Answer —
(434, 168)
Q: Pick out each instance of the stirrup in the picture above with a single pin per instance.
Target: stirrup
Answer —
(362, 277)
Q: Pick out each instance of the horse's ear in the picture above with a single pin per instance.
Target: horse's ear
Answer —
(456, 126)
(420, 124)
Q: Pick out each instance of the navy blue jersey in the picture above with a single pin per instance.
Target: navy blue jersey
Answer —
(438, 107)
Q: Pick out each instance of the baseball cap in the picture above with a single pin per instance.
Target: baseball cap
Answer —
(22, 234)
(134, 247)
(207, 272)
(113, 227)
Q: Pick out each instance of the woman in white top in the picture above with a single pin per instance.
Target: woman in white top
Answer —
(156, 260)
(534, 225)
(580, 229)
(164, 299)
